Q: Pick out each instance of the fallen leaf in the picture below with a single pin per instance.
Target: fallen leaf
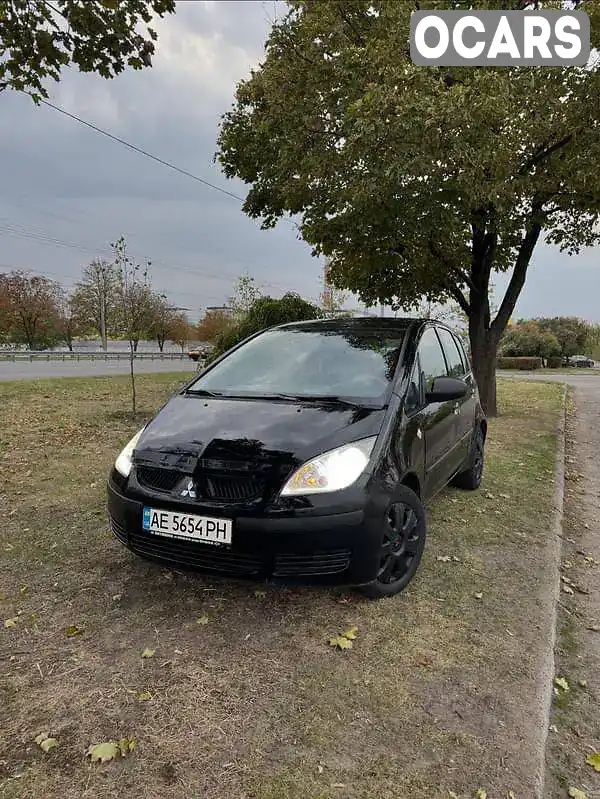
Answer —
(595, 628)
(260, 593)
(594, 761)
(481, 794)
(148, 653)
(567, 589)
(581, 590)
(561, 683)
(126, 745)
(510, 795)
(444, 558)
(479, 595)
(144, 696)
(104, 752)
(339, 642)
(553, 728)
(351, 632)
(505, 496)
(452, 795)
(575, 793)
(202, 620)
(47, 744)
(24, 588)
(73, 630)
(10, 622)
(582, 683)
(117, 597)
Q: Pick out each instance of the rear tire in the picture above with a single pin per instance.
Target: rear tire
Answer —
(470, 478)
(402, 544)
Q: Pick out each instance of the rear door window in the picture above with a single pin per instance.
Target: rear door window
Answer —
(456, 367)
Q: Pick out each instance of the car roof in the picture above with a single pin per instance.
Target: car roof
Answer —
(355, 323)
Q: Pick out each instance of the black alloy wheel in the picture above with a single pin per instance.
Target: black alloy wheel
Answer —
(403, 541)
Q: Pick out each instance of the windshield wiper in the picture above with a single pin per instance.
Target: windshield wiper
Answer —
(204, 392)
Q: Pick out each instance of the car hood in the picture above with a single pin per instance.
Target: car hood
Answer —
(189, 428)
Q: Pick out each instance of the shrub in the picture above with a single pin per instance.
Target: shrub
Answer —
(555, 362)
(519, 363)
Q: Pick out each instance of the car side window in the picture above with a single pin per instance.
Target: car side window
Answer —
(456, 367)
(463, 354)
(413, 393)
(431, 358)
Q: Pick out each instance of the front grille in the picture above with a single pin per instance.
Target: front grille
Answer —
(320, 563)
(230, 488)
(200, 556)
(214, 486)
(118, 530)
(158, 479)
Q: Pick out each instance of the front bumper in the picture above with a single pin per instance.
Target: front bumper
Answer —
(321, 548)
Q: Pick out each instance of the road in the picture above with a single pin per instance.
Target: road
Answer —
(578, 639)
(45, 370)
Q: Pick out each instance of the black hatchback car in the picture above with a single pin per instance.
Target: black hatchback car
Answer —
(306, 454)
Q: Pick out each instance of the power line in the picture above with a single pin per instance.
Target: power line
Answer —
(142, 152)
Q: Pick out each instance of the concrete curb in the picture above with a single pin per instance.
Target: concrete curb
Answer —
(553, 557)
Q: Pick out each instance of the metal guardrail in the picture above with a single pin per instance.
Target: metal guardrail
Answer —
(44, 355)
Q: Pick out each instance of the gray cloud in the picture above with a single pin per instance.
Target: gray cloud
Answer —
(67, 192)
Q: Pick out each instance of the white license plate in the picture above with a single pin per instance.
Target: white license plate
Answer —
(187, 526)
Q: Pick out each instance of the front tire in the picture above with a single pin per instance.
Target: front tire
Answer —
(403, 541)
(470, 478)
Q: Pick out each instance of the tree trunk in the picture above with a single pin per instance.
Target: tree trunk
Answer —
(161, 343)
(484, 349)
(135, 344)
(131, 372)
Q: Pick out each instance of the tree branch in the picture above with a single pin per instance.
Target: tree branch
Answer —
(458, 296)
(530, 239)
(545, 151)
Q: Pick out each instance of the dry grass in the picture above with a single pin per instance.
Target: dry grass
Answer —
(255, 704)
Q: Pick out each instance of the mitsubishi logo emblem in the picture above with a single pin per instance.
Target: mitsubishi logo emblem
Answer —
(189, 490)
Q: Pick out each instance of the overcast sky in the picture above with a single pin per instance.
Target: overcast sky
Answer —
(66, 191)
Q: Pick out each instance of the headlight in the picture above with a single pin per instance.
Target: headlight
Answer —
(331, 471)
(124, 463)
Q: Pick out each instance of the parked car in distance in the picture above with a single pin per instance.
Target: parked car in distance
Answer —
(306, 454)
(581, 361)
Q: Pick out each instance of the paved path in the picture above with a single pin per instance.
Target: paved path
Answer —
(578, 646)
(27, 370)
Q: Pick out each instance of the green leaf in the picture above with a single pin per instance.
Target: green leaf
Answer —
(144, 696)
(340, 642)
(575, 793)
(8, 623)
(104, 752)
(202, 620)
(148, 653)
(351, 632)
(594, 761)
(561, 683)
(73, 630)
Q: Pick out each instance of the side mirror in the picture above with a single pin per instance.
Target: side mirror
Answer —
(445, 389)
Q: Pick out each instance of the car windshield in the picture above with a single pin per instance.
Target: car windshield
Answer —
(350, 364)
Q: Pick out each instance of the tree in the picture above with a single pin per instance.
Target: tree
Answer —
(267, 312)
(213, 324)
(592, 344)
(95, 300)
(528, 339)
(571, 333)
(38, 40)
(135, 303)
(245, 293)
(416, 181)
(180, 330)
(162, 319)
(67, 322)
(31, 307)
